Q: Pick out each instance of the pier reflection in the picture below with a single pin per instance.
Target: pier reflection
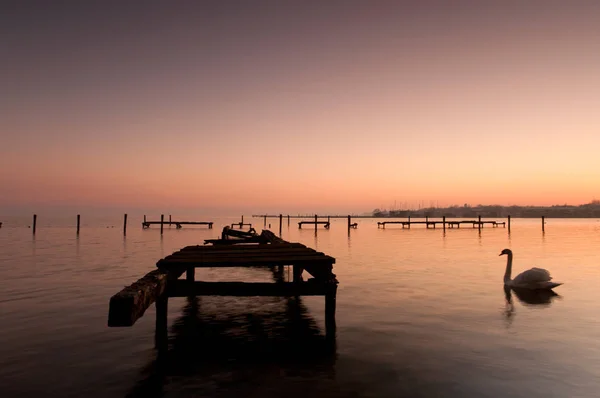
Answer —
(239, 345)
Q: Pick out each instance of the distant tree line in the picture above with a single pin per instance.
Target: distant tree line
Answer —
(588, 210)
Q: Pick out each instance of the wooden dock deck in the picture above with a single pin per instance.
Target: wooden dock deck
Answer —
(127, 306)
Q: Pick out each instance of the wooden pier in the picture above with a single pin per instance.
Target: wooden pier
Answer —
(178, 224)
(127, 306)
(326, 224)
(451, 224)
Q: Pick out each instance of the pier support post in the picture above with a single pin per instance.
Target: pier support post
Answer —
(316, 223)
(479, 222)
(330, 304)
(509, 223)
(409, 221)
(125, 224)
(161, 333)
(169, 221)
(444, 222)
(144, 218)
(543, 224)
(297, 273)
(265, 216)
(78, 222)
(162, 223)
(280, 223)
(34, 222)
(190, 274)
(349, 222)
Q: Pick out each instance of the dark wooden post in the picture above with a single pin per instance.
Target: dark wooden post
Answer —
(330, 303)
(349, 222)
(161, 333)
(34, 222)
(316, 223)
(144, 218)
(162, 220)
(409, 221)
(444, 222)
(280, 223)
(509, 223)
(78, 222)
(543, 222)
(242, 221)
(169, 221)
(288, 220)
(125, 224)
(265, 221)
(190, 274)
(479, 222)
(297, 273)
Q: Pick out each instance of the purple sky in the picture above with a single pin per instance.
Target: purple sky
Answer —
(290, 106)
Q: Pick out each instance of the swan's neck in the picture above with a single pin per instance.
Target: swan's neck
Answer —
(508, 268)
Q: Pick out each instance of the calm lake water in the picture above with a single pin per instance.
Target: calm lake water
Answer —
(420, 313)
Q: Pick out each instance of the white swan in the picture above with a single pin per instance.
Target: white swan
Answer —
(534, 278)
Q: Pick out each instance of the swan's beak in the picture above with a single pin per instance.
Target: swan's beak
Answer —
(500, 254)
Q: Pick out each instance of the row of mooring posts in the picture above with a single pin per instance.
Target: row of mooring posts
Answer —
(34, 224)
(350, 224)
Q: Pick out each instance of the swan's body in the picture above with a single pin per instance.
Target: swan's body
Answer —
(534, 278)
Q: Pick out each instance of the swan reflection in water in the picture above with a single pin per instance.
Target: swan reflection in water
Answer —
(528, 297)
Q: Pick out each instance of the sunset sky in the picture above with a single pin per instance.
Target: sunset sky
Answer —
(338, 106)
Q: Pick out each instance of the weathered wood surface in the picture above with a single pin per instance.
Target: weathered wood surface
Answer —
(240, 247)
(259, 261)
(129, 304)
(290, 289)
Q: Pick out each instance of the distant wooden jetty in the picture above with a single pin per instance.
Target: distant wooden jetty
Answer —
(178, 224)
(451, 224)
(326, 224)
(128, 305)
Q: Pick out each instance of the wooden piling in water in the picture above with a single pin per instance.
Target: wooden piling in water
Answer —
(144, 218)
(34, 222)
(408, 221)
(280, 224)
(509, 223)
(161, 332)
(162, 221)
(125, 224)
(543, 224)
(479, 223)
(288, 220)
(349, 222)
(190, 274)
(78, 222)
(169, 220)
(265, 217)
(316, 223)
(444, 222)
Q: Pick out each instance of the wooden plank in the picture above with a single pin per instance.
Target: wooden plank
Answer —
(129, 304)
(185, 289)
(267, 246)
(241, 254)
(246, 262)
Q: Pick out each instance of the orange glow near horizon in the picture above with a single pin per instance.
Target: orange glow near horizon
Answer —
(349, 111)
